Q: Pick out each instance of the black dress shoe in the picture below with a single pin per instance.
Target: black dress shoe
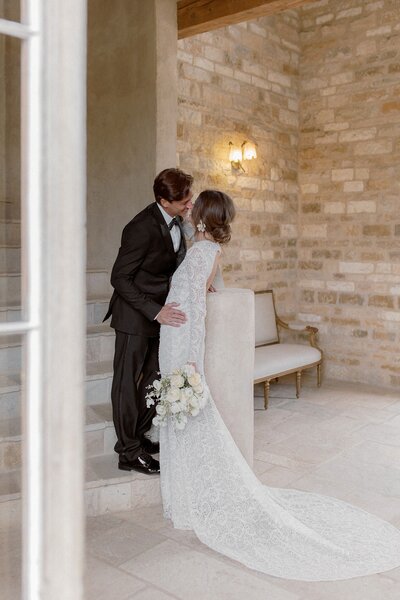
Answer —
(144, 463)
(150, 447)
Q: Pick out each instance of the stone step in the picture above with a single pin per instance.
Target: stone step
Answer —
(98, 389)
(100, 343)
(10, 288)
(10, 211)
(107, 489)
(99, 436)
(10, 259)
(10, 232)
(97, 285)
(99, 348)
(96, 309)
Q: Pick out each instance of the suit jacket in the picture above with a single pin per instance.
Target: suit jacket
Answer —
(142, 272)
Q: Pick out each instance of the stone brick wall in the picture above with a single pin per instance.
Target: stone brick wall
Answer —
(319, 210)
(241, 83)
(349, 201)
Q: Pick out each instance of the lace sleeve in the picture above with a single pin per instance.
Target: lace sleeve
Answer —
(200, 264)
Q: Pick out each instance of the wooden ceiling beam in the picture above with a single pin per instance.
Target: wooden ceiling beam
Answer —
(198, 16)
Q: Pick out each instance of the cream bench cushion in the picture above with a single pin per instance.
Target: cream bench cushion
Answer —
(274, 360)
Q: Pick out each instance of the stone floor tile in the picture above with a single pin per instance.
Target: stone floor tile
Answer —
(315, 448)
(104, 582)
(260, 467)
(151, 593)
(150, 517)
(385, 432)
(377, 453)
(372, 477)
(101, 524)
(281, 477)
(119, 544)
(386, 507)
(187, 573)
(279, 460)
(372, 587)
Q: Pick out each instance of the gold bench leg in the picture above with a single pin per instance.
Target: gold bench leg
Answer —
(266, 394)
(319, 373)
(298, 383)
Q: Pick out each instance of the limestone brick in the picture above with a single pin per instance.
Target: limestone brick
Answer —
(356, 267)
(318, 90)
(353, 186)
(342, 174)
(361, 206)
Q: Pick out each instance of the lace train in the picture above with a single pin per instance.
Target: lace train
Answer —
(208, 487)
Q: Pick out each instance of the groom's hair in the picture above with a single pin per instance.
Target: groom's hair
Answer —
(172, 185)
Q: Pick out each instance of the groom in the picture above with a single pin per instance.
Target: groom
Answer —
(152, 247)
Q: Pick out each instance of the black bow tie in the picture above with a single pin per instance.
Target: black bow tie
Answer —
(172, 223)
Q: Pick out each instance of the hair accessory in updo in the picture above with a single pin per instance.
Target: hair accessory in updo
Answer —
(201, 226)
(217, 210)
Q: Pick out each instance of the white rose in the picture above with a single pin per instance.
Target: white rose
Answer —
(173, 395)
(177, 381)
(175, 407)
(187, 393)
(161, 410)
(188, 370)
(194, 379)
(198, 389)
(157, 384)
(183, 400)
(194, 411)
(194, 401)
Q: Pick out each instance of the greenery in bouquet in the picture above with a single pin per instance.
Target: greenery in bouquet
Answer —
(177, 396)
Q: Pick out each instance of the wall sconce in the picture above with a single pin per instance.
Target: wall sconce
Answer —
(247, 151)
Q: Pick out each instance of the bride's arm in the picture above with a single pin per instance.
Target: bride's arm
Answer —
(201, 269)
(213, 274)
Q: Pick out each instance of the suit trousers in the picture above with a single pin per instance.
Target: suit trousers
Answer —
(135, 367)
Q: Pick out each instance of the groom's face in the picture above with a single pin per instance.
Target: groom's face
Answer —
(179, 208)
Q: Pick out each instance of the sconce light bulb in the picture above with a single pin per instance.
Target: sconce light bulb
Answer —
(235, 154)
(249, 151)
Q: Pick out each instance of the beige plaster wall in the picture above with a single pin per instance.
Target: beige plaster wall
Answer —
(241, 83)
(131, 108)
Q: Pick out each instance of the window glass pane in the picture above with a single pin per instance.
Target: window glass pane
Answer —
(10, 466)
(10, 187)
(10, 9)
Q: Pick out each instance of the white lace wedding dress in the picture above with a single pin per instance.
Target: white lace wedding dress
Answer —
(208, 487)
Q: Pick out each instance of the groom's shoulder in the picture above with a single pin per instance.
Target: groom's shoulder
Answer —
(145, 216)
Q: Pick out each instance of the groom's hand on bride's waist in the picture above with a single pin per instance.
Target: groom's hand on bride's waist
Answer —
(170, 315)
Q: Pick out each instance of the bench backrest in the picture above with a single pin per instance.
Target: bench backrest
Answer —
(265, 316)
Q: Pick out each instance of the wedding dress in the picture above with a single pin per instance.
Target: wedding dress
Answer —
(208, 487)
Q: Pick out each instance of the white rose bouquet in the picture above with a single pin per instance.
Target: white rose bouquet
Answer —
(177, 396)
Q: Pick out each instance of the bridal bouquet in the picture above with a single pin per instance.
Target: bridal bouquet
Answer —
(177, 396)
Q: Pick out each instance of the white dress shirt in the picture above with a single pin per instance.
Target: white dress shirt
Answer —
(175, 231)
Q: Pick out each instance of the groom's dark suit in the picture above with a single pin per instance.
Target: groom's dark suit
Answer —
(140, 276)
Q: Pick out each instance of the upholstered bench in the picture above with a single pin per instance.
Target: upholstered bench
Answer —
(274, 359)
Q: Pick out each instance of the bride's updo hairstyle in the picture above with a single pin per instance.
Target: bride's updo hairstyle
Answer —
(216, 211)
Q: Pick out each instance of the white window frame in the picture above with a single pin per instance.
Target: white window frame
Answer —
(53, 156)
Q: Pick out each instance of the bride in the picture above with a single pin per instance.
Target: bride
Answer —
(208, 487)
